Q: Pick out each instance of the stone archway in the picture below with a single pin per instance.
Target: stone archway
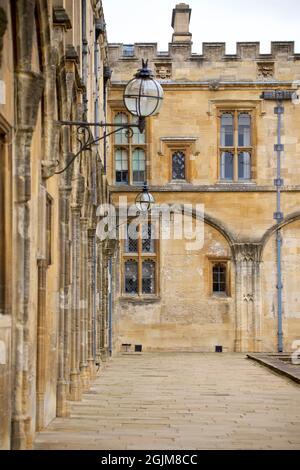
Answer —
(290, 230)
(186, 314)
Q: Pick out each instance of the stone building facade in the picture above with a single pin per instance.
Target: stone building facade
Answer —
(211, 144)
(54, 273)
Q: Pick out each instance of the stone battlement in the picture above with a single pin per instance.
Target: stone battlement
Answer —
(212, 51)
(282, 64)
(180, 63)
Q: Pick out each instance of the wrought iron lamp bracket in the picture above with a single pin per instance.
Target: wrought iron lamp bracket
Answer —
(86, 138)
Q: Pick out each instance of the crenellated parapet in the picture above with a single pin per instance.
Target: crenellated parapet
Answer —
(179, 62)
(174, 63)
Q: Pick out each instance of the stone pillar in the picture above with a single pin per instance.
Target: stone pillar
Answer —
(64, 333)
(248, 297)
(41, 345)
(104, 316)
(92, 291)
(99, 303)
(109, 251)
(5, 381)
(75, 381)
(84, 372)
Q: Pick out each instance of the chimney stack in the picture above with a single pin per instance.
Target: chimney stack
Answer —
(181, 22)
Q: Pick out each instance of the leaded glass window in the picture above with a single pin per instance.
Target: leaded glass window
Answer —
(178, 166)
(131, 242)
(148, 241)
(140, 259)
(131, 277)
(148, 277)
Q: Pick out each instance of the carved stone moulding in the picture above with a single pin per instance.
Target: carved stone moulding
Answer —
(265, 70)
(163, 71)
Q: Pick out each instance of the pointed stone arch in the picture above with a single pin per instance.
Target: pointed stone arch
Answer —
(290, 218)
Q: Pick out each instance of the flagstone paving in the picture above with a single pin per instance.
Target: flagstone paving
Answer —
(181, 401)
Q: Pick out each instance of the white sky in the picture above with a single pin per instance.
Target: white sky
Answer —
(229, 21)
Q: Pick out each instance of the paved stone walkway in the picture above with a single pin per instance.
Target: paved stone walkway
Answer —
(181, 401)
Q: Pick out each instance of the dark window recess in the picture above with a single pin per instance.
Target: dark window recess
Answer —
(219, 278)
(178, 166)
(147, 239)
(131, 243)
(122, 176)
(121, 157)
(148, 277)
(131, 277)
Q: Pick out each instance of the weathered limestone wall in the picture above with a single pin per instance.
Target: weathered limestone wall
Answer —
(7, 120)
(185, 315)
(291, 302)
(196, 87)
(58, 336)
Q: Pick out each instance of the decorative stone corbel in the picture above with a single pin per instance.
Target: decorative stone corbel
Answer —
(60, 17)
(48, 169)
(30, 86)
(214, 85)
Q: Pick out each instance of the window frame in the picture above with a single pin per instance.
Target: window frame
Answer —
(213, 261)
(140, 257)
(129, 147)
(186, 150)
(236, 150)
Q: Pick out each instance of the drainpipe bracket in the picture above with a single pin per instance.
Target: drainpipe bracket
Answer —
(278, 182)
(279, 147)
(279, 110)
(278, 216)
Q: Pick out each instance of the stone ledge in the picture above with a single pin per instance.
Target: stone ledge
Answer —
(214, 188)
(139, 300)
(273, 362)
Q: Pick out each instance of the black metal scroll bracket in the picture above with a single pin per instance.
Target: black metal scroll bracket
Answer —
(86, 139)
